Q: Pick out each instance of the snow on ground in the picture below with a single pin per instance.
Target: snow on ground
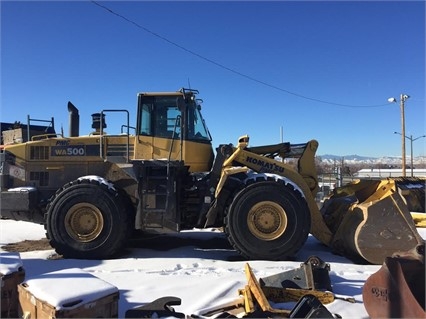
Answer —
(197, 266)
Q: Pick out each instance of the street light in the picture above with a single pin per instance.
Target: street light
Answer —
(402, 99)
(411, 140)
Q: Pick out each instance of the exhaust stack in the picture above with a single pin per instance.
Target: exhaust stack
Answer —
(74, 120)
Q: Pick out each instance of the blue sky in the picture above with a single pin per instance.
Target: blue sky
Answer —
(318, 70)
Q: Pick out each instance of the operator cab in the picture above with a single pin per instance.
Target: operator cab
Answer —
(172, 123)
(172, 115)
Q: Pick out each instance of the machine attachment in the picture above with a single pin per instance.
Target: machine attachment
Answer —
(311, 278)
(312, 274)
(370, 219)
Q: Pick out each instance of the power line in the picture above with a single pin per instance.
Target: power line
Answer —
(225, 67)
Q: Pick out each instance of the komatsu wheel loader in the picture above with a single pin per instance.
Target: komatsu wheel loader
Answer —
(92, 192)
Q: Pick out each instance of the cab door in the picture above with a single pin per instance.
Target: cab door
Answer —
(144, 136)
(167, 131)
(159, 128)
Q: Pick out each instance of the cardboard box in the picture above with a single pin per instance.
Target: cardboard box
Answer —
(13, 136)
(68, 293)
(19, 135)
(12, 274)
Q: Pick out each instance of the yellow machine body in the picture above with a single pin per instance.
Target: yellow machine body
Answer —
(92, 191)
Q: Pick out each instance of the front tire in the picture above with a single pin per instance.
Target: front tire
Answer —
(87, 219)
(268, 220)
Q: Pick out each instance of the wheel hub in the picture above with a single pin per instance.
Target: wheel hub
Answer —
(84, 222)
(267, 220)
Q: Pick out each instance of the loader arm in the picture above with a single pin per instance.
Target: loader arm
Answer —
(305, 179)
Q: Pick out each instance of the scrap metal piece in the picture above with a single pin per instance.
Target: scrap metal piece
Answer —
(160, 307)
(312, 274)
(237, 305)
(278, 295)
(397, 289)
(311, 278)
(248, 299)
(254, 300)
(310, 307)
(260, 297)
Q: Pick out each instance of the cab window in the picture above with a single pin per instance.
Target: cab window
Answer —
(197, 129)
(146, 112)
(166, 124)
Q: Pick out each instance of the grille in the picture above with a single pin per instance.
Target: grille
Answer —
(41, 177)
(39, 152)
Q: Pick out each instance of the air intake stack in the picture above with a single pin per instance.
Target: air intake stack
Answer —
(97, 118)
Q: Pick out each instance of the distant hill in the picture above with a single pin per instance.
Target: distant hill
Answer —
(391, 160)
(330, 157)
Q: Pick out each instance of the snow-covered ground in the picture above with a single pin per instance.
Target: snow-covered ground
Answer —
(199, 267)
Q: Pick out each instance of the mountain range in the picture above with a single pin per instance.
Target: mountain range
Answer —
(358, 159)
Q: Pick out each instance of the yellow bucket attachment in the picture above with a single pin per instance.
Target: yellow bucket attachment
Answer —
(419, 219)
(370, 219)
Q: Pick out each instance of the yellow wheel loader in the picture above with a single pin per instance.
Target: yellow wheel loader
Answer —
(92, 192)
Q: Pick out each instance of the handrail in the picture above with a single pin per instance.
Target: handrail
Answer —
(44, 136)
(178, 118)
(52, 124)
(122, 126)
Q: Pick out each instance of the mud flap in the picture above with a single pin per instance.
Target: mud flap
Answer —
(397, 289)
(374, 230)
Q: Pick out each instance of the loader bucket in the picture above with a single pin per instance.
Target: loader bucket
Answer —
(397, 289)
(370, 220)
(412, 191)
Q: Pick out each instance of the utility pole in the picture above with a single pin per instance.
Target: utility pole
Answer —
(402, 99)
(411, 148)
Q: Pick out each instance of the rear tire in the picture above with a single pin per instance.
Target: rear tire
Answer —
(268, 220)
(87, 219)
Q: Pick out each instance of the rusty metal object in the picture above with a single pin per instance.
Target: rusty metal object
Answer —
(397, 289)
